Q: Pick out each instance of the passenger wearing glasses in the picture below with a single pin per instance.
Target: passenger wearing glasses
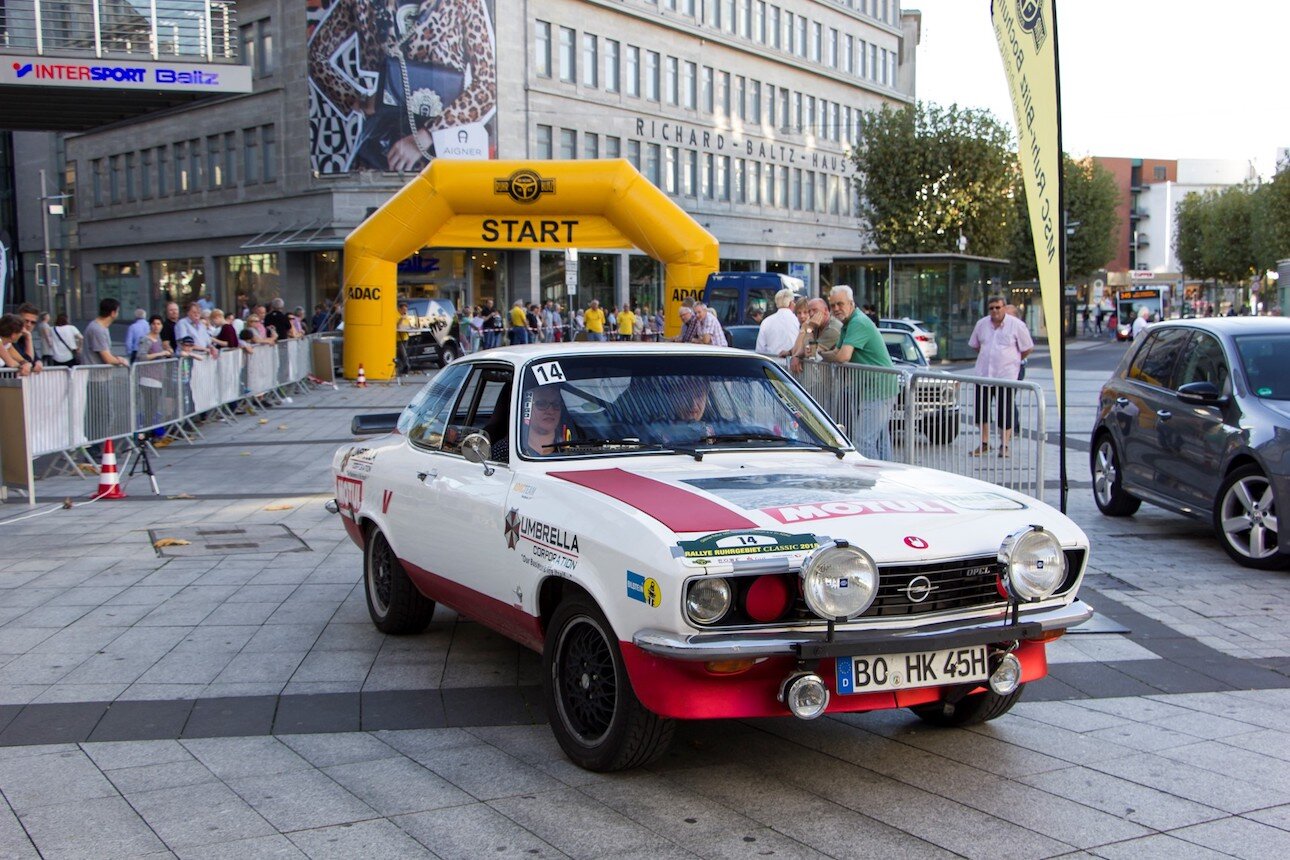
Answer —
(543, 425)
(1002, 342)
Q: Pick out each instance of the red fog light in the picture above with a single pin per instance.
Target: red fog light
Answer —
(767, 598)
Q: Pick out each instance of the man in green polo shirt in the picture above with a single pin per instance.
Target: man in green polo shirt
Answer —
(861, 343)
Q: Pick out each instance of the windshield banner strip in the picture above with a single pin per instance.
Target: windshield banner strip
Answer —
(678, 509)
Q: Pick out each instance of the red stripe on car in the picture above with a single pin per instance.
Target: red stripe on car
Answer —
(680, 510)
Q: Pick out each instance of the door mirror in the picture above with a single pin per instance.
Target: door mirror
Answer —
(476, 448)
(1202, 394)
(374, 424)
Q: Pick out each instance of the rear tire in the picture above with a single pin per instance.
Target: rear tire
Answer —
(594, 713)
(1108, 491)
(393, 602)
(970, 710)
(941, 429)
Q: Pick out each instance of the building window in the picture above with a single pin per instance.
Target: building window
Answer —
(1158, 173)
(754, 102)
(671, 81)
(754, 181)
(740, 90)
(257, 47)
(590, 60)
(269, 152)
(634, 153)
(568, 60)
(214, 162)
(651, 162)
(613, 147)
(790, 31)
(250, 156)
(542, 145)
(691, 172)
(651, 75)
(706, 94)
(801, 36)
(633, 72)
(671, 155)
(611, 66)
(835, 131)
(590, 144)
(848, 55)
(145, 174)
(130, 186)
(808, 191)
(723, 177)
(873, 62)
(769, 196)
(741, 196)
(689, 86)
(568, 143)
(181, 167)
(542, 48)
(785, 118)
(723, 93)
(797, 112)
(759, 22)
(772, 27)
(163, 171)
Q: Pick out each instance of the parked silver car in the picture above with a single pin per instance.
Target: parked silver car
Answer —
(1196, 419)
(926, 337)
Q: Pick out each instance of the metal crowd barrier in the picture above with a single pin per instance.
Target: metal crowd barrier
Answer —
(934, 419)
(67, 409)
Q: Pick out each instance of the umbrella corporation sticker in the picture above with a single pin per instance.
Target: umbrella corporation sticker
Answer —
(730, 544)
(546, 547)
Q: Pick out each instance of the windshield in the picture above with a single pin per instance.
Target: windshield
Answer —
(591, 405)
(1263, 358)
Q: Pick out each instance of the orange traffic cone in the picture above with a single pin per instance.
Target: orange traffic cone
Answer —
(109, 485)
(361, 382)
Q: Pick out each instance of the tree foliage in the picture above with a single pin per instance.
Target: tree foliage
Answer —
(926, 173)
(1233, 233)
(1271, 215)
(1091, 197)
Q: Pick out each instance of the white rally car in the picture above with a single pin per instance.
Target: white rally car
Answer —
(683, 533)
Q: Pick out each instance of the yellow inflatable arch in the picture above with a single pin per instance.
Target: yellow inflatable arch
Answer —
(512, 204)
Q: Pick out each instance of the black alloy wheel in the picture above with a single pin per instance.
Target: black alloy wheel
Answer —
(393, 602)
(1108, 491)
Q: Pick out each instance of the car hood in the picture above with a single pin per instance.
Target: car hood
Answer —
(892, 510)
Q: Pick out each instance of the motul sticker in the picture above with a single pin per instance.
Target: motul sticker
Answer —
(828, 510)
(349, 495)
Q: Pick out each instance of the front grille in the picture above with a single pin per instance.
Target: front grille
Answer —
(970, 583)
(922, 588)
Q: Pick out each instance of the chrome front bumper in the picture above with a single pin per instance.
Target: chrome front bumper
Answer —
(850, 643)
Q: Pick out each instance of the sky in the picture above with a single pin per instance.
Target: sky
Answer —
(1139, 78)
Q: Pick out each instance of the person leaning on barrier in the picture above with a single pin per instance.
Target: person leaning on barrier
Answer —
(137, 329)
(151, 345)
(26, 342)
(861, 343)
(779, 332)
(193, 329)
(253, 334)
(98, 336)
(11, 329)
(223, 333)
(819, 331)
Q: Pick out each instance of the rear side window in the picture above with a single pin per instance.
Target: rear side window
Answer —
(1203, 361)
(1155, 361)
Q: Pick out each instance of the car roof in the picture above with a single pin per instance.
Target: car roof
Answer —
(902, 320)
(1231, 325)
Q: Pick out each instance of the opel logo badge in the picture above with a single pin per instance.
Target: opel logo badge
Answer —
(919, 589)
(524, 186)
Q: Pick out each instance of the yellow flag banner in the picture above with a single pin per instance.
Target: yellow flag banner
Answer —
(1027, 34)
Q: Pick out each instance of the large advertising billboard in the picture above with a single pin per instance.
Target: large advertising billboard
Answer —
(394, 85)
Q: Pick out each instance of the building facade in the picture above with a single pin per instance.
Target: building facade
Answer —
(743, 111)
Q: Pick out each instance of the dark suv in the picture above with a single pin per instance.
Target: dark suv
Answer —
(437, 337)
(1196, 419)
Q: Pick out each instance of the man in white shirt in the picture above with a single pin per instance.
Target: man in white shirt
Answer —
(1140, 324)
(192, 326)
(778, 332)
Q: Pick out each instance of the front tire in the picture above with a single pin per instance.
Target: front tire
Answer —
(1108, 491)
(594, 713)
(1245, 520)
(448, 354)
(970, 710)
(393, 602)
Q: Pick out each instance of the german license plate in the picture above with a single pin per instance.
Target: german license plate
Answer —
(876, 673)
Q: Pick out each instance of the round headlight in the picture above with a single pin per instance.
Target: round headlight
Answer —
(707, 600)
(839, 581)
(1034, 564)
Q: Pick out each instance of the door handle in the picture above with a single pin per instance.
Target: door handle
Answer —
(427, 476)
(1121, 401)
(1164, 414)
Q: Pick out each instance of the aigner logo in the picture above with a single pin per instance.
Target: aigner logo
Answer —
(1031, 13)
(524, 186)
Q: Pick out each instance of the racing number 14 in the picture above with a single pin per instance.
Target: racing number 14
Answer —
(548, 373)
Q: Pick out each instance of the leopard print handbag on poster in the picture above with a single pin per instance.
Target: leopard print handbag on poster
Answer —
(410, 95)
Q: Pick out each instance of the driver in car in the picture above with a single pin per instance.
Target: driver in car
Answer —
(543, 424)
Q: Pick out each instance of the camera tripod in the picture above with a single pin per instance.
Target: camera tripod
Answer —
(141, 444)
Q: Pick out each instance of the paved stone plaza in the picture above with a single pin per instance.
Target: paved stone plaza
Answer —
(237, 702)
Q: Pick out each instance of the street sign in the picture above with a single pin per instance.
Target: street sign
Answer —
(1140, 274)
